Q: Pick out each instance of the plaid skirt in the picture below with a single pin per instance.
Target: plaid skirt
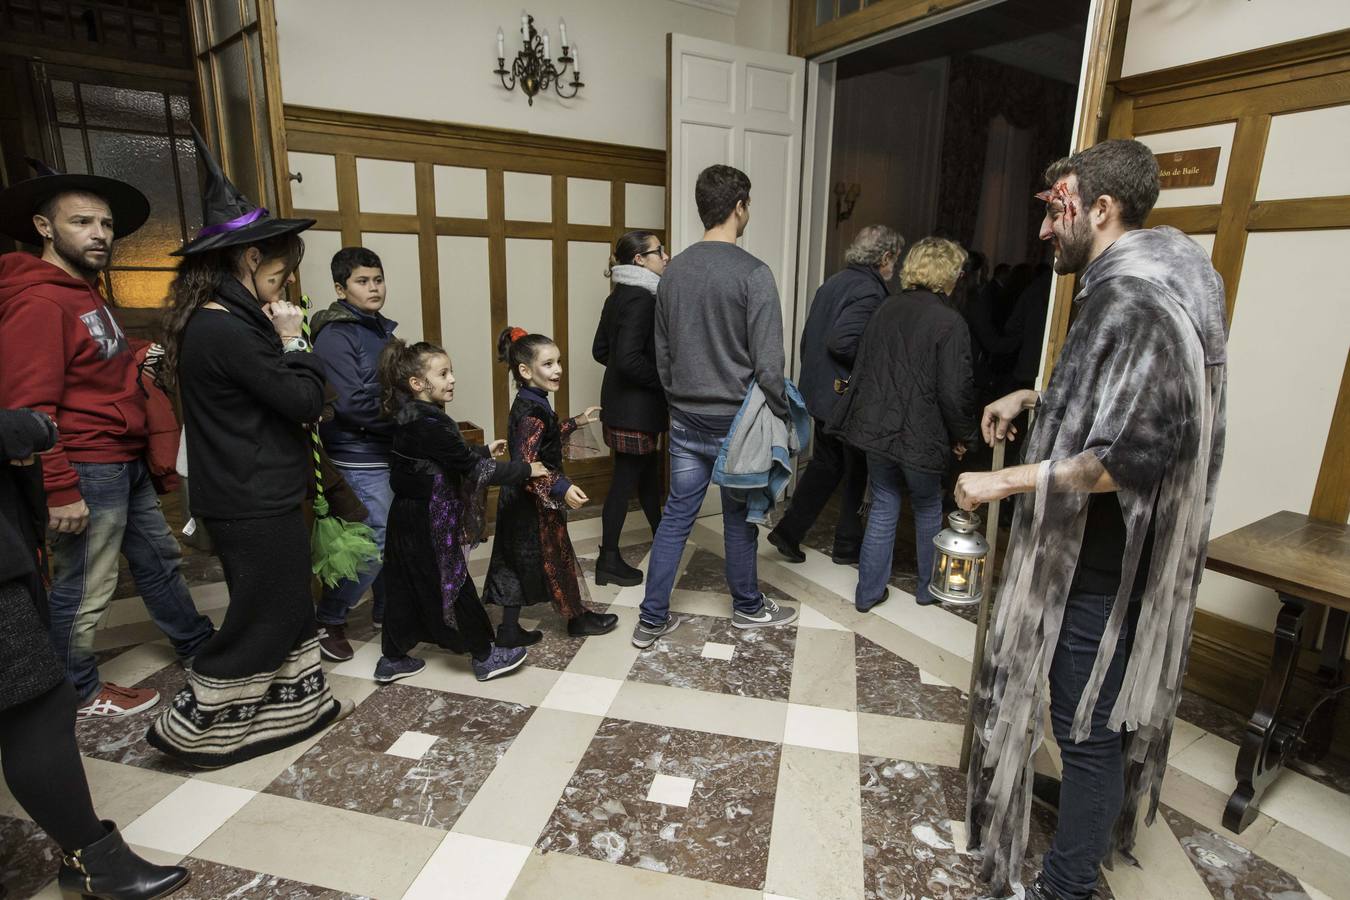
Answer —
(638, 443)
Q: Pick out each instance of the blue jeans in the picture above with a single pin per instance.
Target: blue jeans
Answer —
(692, 454)
(125, 518)
(878, 546)
(371, 487)
(1093, 785)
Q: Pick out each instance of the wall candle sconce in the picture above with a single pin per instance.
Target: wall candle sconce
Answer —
(532, 69)
(845, 198)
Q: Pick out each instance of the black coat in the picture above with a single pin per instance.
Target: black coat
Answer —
(23, 504)
(912, 395)
(625, 344)
(245, 408)
(839, 314)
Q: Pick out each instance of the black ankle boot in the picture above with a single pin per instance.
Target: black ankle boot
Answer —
(590, 623)
(788, 548)
(611, 569)
(108, 870)
(515, 636)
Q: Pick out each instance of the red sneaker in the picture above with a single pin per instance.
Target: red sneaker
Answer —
(115, 700)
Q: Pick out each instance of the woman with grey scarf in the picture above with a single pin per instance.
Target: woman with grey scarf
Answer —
(633, 403)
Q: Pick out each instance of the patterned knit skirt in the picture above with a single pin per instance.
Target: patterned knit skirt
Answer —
(256, 686)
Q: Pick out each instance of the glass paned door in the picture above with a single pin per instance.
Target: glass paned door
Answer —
(135, 130)
(234, 42)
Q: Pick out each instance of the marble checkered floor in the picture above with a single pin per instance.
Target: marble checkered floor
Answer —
(812, 761)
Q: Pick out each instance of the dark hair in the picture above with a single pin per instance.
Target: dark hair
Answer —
(1123, 170)
(521, 351)
(399, 362)
(717, 192)
(627, 247)
(199, 278)
(349, 259)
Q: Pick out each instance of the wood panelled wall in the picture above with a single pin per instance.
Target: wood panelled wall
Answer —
(349, 137)
(1250, 91)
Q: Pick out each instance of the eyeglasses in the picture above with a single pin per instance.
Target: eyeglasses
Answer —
(660, 248)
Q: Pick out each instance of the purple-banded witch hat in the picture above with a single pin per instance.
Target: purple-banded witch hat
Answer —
(230, 218)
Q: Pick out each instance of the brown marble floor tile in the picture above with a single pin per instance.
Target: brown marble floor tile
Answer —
(708, 572)
(349, 768)
(908, 848)
(722, 836)
(28, 858)
(122, 739)
(1231, 872)
(212, 881)
(556, 648)
(761, 664)
(890, 686)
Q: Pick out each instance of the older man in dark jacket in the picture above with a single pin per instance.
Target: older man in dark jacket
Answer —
(840, 311)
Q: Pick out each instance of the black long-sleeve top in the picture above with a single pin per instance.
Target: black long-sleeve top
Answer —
(246, 405)
(427, 442)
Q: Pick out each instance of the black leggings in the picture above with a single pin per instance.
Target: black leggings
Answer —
(43, 770)
(632, 474)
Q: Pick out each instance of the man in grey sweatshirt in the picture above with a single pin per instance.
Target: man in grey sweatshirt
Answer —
(719, 330)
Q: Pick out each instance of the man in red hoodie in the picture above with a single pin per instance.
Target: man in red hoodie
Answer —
(62, 353)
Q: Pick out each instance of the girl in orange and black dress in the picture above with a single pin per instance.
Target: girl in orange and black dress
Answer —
(532, 556)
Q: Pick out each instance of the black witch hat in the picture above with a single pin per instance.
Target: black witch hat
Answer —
(20, 201)
(230, 218)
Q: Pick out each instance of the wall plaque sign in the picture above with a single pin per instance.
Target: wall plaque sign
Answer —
(1188, 168)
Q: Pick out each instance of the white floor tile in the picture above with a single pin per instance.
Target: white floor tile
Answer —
(1313, 893)
(586, 694)
(477, 867)
(959, 839)
(809, 617)
(671, 790)
(930, 679)
(714, 650)
(188, 816)
(363, 662)
(412, 745)
(821, 728)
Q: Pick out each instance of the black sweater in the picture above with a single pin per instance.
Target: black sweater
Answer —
(625, 344)
(912, 394)
(245, 408)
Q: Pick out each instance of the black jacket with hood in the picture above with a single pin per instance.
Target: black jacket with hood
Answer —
(839, 314)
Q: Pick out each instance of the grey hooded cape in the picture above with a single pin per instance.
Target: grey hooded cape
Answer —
(1138, 392)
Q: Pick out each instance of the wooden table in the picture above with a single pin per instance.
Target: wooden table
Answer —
(1304, 561)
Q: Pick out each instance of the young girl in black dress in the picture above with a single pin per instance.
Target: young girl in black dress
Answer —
(532, 556)
(439, 483)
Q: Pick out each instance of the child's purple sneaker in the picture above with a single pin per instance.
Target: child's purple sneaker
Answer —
(499, 662)
(387, 670)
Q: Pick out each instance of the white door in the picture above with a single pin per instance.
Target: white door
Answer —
(742, 108)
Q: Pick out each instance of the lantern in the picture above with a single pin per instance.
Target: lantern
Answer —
(958, 565)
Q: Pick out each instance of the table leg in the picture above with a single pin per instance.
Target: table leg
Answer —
(1267, 740)
(1329, 673)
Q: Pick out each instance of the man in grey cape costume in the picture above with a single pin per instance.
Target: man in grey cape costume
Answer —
(1124, 458)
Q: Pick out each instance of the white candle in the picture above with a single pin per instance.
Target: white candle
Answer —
(576, 61)
(545, 43)
(562, 31)
(501, 45)
(524, 33)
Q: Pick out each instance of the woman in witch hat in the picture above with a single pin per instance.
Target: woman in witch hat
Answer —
(234, 346)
